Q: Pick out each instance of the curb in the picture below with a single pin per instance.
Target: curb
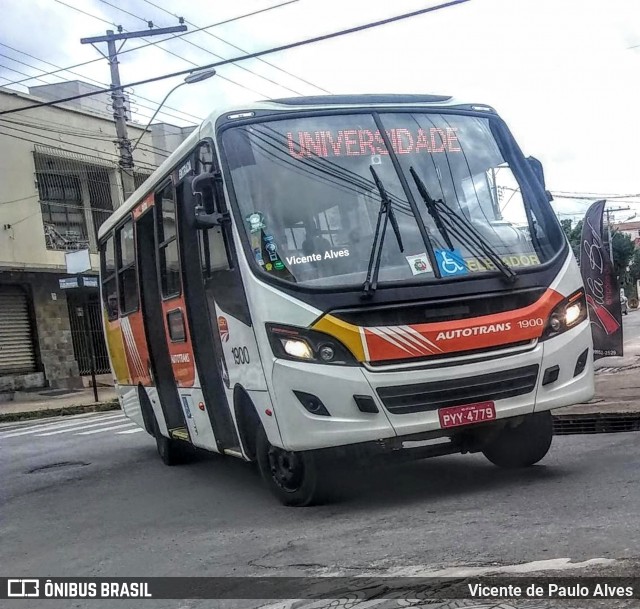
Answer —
(59, 412)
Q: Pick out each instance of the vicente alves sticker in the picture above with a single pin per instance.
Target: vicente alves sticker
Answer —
(327, 255)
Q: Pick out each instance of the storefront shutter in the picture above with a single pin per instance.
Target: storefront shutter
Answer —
(17, 353)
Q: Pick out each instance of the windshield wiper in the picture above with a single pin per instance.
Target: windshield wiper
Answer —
(461, 228)
(432, 208)
(385, 213)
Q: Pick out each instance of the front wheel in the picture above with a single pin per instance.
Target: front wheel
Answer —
(293, 477)
(522, 445)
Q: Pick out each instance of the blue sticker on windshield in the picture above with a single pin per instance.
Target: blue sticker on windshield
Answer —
(451, 262)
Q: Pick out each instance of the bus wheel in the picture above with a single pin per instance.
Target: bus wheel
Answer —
(293, 477)
(522, 445)
(172, 452)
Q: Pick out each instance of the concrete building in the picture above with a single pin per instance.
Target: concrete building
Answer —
(60, 179)
(632, 229)
(98, 104)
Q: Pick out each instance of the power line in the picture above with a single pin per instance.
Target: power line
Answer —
(93, 135)
(197, 46)
(235, 46)
(285, 47)
(142, 46)
(105, 113)
(122, 10)
(592, 197)
(154, 43)
(115, 158)
(79, 10)
(18, 200)
(159, 43)
(13, 70)
(88, 78)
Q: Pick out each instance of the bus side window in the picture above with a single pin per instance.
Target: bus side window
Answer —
(214, 255)
(167, 243)
(127, 275)
(109, 288)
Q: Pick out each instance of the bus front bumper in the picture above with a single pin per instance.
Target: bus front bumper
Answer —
(519, 376)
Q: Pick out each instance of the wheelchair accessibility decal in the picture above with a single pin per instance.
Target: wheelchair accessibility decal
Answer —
(451, 262)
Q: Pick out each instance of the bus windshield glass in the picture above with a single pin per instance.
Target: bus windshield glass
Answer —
(309, 204)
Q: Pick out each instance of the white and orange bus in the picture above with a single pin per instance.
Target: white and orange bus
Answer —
(353, 276)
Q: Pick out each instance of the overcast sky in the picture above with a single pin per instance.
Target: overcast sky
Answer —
(560, 72)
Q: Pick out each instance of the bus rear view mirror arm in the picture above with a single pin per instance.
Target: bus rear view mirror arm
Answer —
(536, 167)
(204, 186)
(205, 220)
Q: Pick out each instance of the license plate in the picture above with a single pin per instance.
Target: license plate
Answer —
(467, 415)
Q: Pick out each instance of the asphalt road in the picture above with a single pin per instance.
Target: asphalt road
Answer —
(88, 496)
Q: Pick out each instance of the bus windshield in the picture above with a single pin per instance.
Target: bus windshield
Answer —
(309, 204)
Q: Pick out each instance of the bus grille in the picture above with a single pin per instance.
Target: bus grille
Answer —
(407, 399)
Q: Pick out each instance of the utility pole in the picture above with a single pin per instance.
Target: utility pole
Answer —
(117, 93)
(610, 211)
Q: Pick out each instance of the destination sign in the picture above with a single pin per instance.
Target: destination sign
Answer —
(359, 142)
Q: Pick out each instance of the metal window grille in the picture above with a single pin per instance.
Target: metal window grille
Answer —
(76, 196)
(96, 334)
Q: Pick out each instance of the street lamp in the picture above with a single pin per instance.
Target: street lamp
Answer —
(189, 79)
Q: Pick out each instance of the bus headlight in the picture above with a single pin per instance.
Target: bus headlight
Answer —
(568, 314)
(572, 313)
(297, 348)
(302, 344)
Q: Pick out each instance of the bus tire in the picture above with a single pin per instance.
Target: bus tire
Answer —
(522, 445)
(172, 452)
(293, 477)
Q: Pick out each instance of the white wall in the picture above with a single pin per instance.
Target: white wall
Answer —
(22, 242)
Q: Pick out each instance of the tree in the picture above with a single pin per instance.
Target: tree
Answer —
(621, 244)
(623, 250)
(634, 272)
(574, 234)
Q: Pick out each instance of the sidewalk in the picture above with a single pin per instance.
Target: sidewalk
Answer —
(48, 402)
(617, 379)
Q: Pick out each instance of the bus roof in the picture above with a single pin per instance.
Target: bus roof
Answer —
(274, 106)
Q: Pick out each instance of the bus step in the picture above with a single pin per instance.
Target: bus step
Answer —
(233, 452)
(180, 433)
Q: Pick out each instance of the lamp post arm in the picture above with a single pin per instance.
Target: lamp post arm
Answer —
(166, 97)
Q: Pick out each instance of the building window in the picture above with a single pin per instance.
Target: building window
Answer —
(65, 226)
(75, 193)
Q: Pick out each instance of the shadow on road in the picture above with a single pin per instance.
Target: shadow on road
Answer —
(427, 481)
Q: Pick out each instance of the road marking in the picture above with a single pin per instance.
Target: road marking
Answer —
(77, 428)
(552, 564)
(46, 426)
(136, 430)
(88, 433)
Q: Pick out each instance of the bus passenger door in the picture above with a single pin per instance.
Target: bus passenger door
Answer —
(201, 288)
(159, 359)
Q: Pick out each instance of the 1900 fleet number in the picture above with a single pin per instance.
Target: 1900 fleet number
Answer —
(240, 355)
(535, 322)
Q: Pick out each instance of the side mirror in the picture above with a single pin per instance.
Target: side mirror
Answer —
(536, 167)
(203, 186)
